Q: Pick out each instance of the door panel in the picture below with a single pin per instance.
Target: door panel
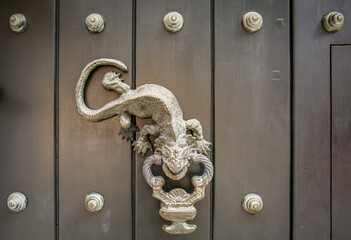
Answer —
(92, 156)
(27, 120)
(181, 63)
(312, 122)
(341, 141)
(252, 120)
(237, 84)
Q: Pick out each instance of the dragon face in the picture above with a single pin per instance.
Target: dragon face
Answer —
(175, 155)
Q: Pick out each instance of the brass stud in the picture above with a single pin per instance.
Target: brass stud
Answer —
(333, 21)
(94, 202)
(18, 23)
(252, 21)
(252, 203)
(17, 202)
(95, 23)
(173, 22)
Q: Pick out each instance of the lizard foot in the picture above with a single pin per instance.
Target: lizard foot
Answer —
(203, 147)
(129, 134)
(141, 146)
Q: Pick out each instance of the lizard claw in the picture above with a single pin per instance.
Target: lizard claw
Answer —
(203, 147)
(129, 134)
(142, 146)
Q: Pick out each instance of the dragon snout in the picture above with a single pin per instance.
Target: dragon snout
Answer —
(175, 168)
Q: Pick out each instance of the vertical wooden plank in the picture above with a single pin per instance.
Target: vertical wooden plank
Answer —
(92, 156)
(312, 115)
(252, 120)
(181, 63)
(26, 120)
(341, 141)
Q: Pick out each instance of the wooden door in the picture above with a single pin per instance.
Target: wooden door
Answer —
(236, 83)
(274, 103)
(320, 122)
(92, 156)
(252, 120)
(181, 62)
(27, 120)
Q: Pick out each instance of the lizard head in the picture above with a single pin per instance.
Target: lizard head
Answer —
(113, 81)
(175, 155)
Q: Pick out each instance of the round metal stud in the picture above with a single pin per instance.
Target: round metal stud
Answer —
(252, 203)
(17, 202)
(94, 202)
(95, 23)
(173, 21)
(18, 23)
(333, 21)
(252, 21)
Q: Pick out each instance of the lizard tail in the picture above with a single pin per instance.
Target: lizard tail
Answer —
(106, 111)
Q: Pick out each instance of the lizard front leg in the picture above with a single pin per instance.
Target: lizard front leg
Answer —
(143, 144)
(127, 128)
(203, 146)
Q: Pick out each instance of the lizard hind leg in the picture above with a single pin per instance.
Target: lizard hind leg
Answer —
(128, 129)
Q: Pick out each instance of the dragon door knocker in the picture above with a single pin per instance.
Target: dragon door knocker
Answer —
(178, 143)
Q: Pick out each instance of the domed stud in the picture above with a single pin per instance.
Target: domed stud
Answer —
(173, 22)
(17, 202)
(252, 203)
(18, 23)
(94, 202)
(252, 21)
(333, 21)
(95, 23)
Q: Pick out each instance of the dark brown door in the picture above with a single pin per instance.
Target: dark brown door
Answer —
(27, 115)
(252, 120)
(321, 111)
(92, 156)
(274, 103)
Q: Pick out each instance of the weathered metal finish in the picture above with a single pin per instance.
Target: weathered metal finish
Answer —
(173, 21)
(147, 101)
(18, 23)
(333, 21)
(252, 21)
(94, 202)
(177, 205)
(252, 203)
(174, 146)
(17, 202)
(95, 23)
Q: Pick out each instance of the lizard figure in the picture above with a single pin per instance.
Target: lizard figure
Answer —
(176, 138)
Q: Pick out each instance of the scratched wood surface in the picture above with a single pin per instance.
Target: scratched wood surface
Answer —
(181, 63)
(27, 120)
(312, 123)
(341, 141)
(252, 120)
(92, 156)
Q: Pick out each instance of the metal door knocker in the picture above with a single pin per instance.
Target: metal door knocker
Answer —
(175, 148)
